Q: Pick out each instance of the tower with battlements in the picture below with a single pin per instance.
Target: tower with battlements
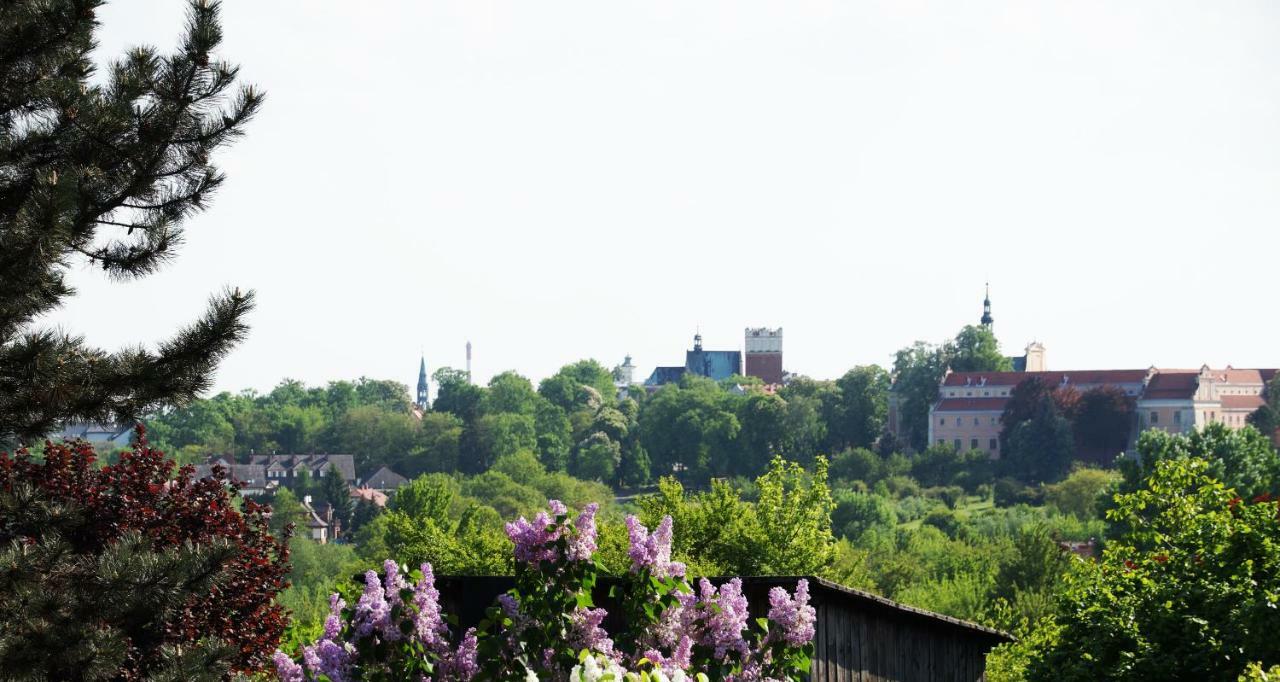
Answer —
(763, 348)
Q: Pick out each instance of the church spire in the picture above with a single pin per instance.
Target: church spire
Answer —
(423, 388)
(987, 320)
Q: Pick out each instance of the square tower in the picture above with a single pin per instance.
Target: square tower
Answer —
(764, 354)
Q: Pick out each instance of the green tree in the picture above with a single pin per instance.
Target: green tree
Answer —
(1266, 418)
(1040, 449)
(1242, 459)
(1081, 492)
(555, 436)
(334, 490)
(1189, 593)
(501, 434)
(689, 428)
(456, 394)
(286, 510)
(918, 370)
(104, 172)
(795, 518)
(439, 438)
(1103, 423)
(975, 349)
(375, 435)
(509, 393)
(864, 406)
(857, 513)
(598, 458)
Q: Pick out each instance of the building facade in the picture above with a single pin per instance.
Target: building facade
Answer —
(970, 404)
(763, 354)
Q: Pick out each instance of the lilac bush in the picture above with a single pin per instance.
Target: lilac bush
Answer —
(548, 627)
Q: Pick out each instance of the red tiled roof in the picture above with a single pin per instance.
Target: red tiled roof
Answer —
(1242, 376)
(1089, 376)
(1242, 402)
(971, 405)
(1172, 385)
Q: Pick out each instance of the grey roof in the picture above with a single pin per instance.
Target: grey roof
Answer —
(384, 479)
(93, 432)
(316, 464)
(248, 475)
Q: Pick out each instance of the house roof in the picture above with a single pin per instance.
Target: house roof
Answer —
(664, 375)
(316, 464)
(714, 364)
(370, 495)
(1090, 376)
(1242, 402)
(1172, 385)
(971, 405)
(246, 475)
(384, 479)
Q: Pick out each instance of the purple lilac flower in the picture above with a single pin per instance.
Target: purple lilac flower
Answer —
(588, 633)
(721, 628)
(328, 658)
(333, 622)
(795, 617)
(461, 665)
(652, 551)
(373, 613)
(583, 544)
(428, 624)
(286, 669)
(533, 540)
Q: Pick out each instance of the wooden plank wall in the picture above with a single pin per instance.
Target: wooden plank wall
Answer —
(863, 645)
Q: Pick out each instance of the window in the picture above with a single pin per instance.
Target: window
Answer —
(993, 420)
(973, 444)
(1177, 417)
(975, 421)
(1155, 418)
(957, 444)
(942, 421)
(993, 444)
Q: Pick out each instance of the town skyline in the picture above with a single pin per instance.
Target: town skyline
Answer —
(1053, 150)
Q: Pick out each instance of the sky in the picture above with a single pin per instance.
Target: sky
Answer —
(560, 179)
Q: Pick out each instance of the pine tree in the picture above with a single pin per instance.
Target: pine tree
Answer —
(335, 491)
(106, 174)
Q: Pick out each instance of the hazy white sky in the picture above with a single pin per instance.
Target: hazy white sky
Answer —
(564, 179)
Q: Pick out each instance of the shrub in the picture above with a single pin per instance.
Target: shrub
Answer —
(549, 628)
(135, 570)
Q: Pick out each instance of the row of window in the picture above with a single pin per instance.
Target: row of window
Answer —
(942, 421)
(993, 444)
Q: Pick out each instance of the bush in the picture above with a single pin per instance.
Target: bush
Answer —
(547, 628)
(943, 519)
(857, 513)
(1008, 492)
(86, 551)
(952, 495)
(901, 486)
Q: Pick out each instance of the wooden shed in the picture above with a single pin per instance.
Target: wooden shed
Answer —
(861, 637)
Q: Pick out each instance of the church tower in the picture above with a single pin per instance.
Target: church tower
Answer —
(423, 388)
(987, 320)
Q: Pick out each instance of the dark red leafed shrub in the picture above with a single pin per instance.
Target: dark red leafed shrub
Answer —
(142, 494)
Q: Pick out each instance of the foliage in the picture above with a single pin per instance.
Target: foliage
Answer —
(548, 627)
(108, 170)
(1266, 418)
(1103, 422)
(1242, 459)
(118, 570)
(1080, 492)
(975, 349)
(1190, 592)
(863, 407)
(918, 370)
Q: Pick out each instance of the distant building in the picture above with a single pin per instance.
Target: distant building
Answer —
(763, 354)
(285, 469)
(374, 497)
(424, 389)
(625, 374)
(713, 364)
(321, 525)
(967, 413)
(252, 478)
(384, 480)
(101, 436)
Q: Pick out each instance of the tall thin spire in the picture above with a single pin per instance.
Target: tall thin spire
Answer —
(468, 362)
(423, 400)
(987, 319)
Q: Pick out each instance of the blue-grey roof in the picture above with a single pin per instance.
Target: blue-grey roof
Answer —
(664, 375)
(713, 364)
